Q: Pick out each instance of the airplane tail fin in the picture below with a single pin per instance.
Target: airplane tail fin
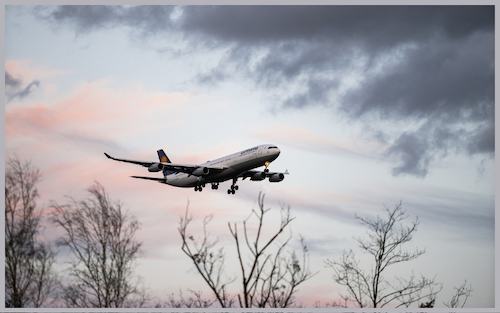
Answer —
(164, 159)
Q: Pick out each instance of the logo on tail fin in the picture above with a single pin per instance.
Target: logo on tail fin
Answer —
(164, 159)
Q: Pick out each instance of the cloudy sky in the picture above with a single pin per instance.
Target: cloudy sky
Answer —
(370, 106)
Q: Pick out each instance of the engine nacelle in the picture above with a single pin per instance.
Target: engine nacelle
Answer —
(276, 177)
(155, 167)
(201, 171)
(258, 176)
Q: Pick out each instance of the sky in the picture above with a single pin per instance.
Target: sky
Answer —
(369, 105)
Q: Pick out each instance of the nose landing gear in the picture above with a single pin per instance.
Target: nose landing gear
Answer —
(267, 165)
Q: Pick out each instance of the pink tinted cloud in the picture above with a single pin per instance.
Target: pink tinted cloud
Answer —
(20, 120)
(65, 139)
(27, 71)
(91, 113)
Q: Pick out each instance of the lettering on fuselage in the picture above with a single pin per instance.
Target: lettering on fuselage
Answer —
(248, 150)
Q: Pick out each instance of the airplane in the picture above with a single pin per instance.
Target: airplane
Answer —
(234, 166)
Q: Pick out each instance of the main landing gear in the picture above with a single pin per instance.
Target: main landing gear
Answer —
(215, 186)
(233, 188)
(199, 187)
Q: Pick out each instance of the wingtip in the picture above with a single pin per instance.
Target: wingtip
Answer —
(107, 155)
(286, 172)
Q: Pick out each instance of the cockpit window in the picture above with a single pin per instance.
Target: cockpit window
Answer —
(273, 147)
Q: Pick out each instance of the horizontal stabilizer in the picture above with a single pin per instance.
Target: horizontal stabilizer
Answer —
(160, 180)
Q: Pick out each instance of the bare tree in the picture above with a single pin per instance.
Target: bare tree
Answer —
(384, 243)
(29, 280)
(209, 263)
(460, 297)
(268, 279)
(101, 238)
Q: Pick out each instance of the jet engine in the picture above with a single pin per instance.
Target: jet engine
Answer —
(258, 176)
(155, 167)
(201, 171)
(276, 177)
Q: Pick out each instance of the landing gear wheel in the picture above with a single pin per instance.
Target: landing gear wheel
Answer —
(196, 188)
(233, 188)
(266, 170)
(200, 189)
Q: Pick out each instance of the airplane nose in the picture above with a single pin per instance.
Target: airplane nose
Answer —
(276, 153)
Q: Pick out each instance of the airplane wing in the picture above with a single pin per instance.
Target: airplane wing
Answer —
(145, 164)
(177, 167)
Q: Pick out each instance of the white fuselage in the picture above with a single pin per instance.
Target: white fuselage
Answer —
(234, 165)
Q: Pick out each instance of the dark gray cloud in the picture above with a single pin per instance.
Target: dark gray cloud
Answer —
(438, 77)
(11, 81)
(376, 27)
(482, 139)
(14, 87)
(88, 18)
(414, 151)
(429, 65)
(411, 151)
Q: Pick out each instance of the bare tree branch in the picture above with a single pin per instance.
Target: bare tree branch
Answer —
(460, 297)
(100, 237)
(29, 279)
(209, 263)
(384, 243)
